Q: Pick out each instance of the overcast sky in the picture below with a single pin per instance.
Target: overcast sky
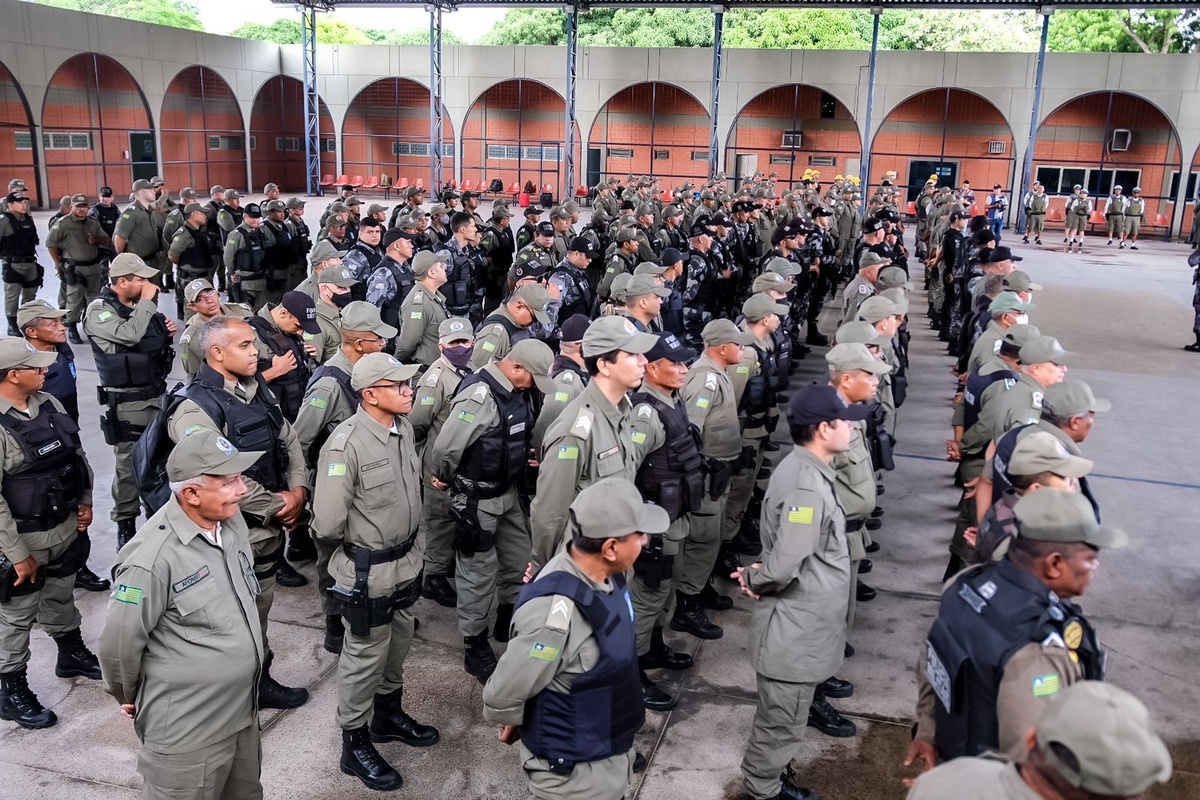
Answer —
(222, 16)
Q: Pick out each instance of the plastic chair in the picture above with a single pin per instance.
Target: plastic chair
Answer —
(581, 191)
(911, 208)
(420, 183)
(372, 182)
(467, 186)
(1055, 215)
(402, 185)
(1161, 221)
(1097, 217)
(326, 180)
(357, 182)
(342, 180)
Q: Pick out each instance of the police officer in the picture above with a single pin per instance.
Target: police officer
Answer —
(133, 348)
(189, 252)
(74, 245)
(802, 585)
(18, 256)
(541, 255)
(204, 303)
(1114, 215)
(528, 232)
(245, 258)
(590, 439)
(569, 373)
(364, 257)
(498, 246)
(47, 492)
(105, 211)
(228, 396)
(137, 230)
(479, 458)
(622, 261)
(671, 475)
(175, 219)
(230, 215)
(392, 282)
(1036, 205)
(181, 648)
(301, 242)
(573, 628)
(423, 311)
(280, 251)
(464, 288)
(334, 292)
(284, 357)
(1134, 212)
(1093, 740)
(1008, 636)
(568, 275)
(510, 323)
(367, 508)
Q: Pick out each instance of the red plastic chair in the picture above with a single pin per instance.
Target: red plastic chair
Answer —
(420, 183)
(514, 188)
(1097, 217)
(467, 186)
(403, 184)
(911, 208)
(326, 180)
(581, 191)
(342, 180)
(1055, 215)
(1161, 220)
(372, 182)
(357, 182)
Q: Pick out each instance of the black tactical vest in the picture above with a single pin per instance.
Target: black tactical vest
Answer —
(144, 365)
(50, 482)
(673, 475)
(500, 455)
(581, 300)
(973, 392)
(196, 261)
(403, 277)
(760, 395)
(343, 380)
(289, 389)
(515, 332)
(21, 244)
(250, 261)
(279, 255)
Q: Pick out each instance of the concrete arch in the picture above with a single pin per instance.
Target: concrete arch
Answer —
(946, 131)
(16, 119)
(788, 107)
(386, 130)
(644, 124)
(93, 111)
(277, 113)
(203, 131)
(524, 119)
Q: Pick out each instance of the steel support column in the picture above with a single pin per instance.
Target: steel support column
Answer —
(312, 146)
(569, 134)
(1027, 166)
(714, 135)
(865, 162)
(435, 100)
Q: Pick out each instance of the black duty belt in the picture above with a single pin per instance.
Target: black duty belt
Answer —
(853, 525)
(384, 555)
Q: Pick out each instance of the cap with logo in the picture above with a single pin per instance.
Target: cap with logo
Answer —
(106, 191)
(626, 235)
(35, 310)
(192, 208)
(375, 367)
(670, 348)
(876, 308)
(130, 264)
(899, 299)
(396, 234)
(772, 282)
(353, 201)
(254, 211)
(1017, 337)
(649, 268)
(374, 209)
(544, 229)
(760, 306)
(645, 284)
(301, 306)
(455, 329)
(1019, 281)
(607, 334)
(857, 333)
(1008, 301)
(413, 191)
(612, 508)
(817, 403)
(1072, 398)
(206, 452)
(339, 276)
(720, 332)
(581, 245)
(1045, 350)
(423, 261)
(363, 316)
(15, 197)
(233, 194)
(847, 357)
(532, 211)
(1002, 253)
(537, 358)
(274, 205)
(141, 184)
(195, 288)
(79, 200)
(872, 225)
(1049, 515)
(16, 353)
(1041, 451)
(528, 269)
(870, 259)
(536, 297)
(323, 251)
(295, 202)
(558, 212)
(501, 212)
(156, 181)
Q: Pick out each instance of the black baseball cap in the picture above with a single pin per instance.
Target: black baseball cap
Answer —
(532, 211)
(254, 210)
(581, 245)
(106, 191)
(871, 224)
(1002, 253)
(822, 212)
(574, 328)
(669, 347)
(544, 229)
(395, 234)
(669, 257)
(15, 197)
(955, 216)
(302, 307)
(822, 403)
(700, 228)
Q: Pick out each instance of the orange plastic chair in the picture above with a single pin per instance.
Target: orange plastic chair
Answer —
(1162, 220)
(327, 180)
(357, 182)
(581, 191)
(342, 180)
(403, 184)
(372, 182)
(1054, 215)
(1097, 217)
(911, 208)
(514, 188)
(420, 183)
(467, 186)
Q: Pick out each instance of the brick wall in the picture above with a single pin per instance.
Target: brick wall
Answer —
(387, 113)
(649, 117)
(198, 105)
(278, 112)
(517, 113)
(14, 119)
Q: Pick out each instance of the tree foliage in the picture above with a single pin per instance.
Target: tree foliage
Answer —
(174, 13)
(1125, 31)
(413, 36)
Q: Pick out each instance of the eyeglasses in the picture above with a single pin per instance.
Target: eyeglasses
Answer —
(399, 386)
(39, 370)
(379, 340)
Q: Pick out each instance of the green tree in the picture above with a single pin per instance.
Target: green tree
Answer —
(809, 28)
(1125, 31)
(529, 26)
(948, 30)
(160, 12)
(287, 31)
(410, 37)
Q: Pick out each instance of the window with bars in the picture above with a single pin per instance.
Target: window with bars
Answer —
(620, 152)
(66, 141)
(792, 139)
(699, 155)
(225, 143)
(285, 144)
(22, 140)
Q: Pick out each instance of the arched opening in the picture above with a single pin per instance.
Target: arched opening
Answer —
(652, 129)
(1106, 139)
(791, 129)
(1190, 218)
(18, 156)
(386, 130)
(96, 129)
(514, 133)
(951, 133)
(277, 136)
(203, 133)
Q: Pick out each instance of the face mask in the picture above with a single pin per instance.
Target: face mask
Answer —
(344, 299)
(1022, 319)
(459, 354)
(443, 219)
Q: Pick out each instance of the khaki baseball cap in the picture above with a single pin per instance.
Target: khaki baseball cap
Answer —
(856, 333)
(1018, 336)
(845, 357)
(536, 297)
(269, 187)
(35, 310)
(79, 200)
(233, 194)
(612, 508)
(1041, 451)
(626, 235)
(607, 334)
(870, 259)
(760, 306)
(274, 205)
(363, 316)
(782, 267)
(1019, 281)
(537, 358)
(1049, 515)
(773, 282)
(140, 184)
(645, 284)
(15, 352)
(375, 367)
(455, 329)
(617, 288)
(206, 452)
(723, 331)
(1108, 732)
(130, 264)
(423, 261)
(1008, 301)
(876, 308)
(339, 276)
(375, 208)
(894, 278)
(321, 252)
(195, 288)
(1072, 398)
(156, 181)
(216, 189)
(650, 268)
(192, 208)
(1045, 350)
(898, 298)
(295, 202)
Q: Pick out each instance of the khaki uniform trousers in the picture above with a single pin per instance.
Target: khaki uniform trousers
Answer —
(16, 294)
(371, 665)
(264, 541)
(496, 574)
(88, 282)
(775, 735)
(740, 490)
(607, 779)
(703, 543)
(127, 504)
(652, 608)
(53, 607)
(228, 770)
(438, 530)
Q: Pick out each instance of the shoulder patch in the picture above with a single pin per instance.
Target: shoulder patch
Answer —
(800, 515)
(418, 298)
(1037, 399)
(318, 402)
(336, 470)
(583, 425)
(128, 594)
(645, 411)
(568, 376)
(489, 346)
(104, 316)
(431, 377)
(1045, 685)
(568, 452)
(479, 393)
(996, 345)
(543, 652)
(863, 289)
(416, 315)
(561, 610)
(710, 381)
(562, 397)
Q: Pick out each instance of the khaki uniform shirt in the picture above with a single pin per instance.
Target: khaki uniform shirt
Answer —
(369, 494)
(471, 415)
(108, 330)
(989, 779)
(986, 346)
(71, 238)
(431, 406)
(590, 440)
(190, 353)
(181, 241)
(137, 227)
(17, 546)
(324, 407)
(798, 626)
(329, 340)
(181, 640)
(856, 476)
(712, 407)
(739, 376)
(420, 315)
(1020, 405)
(975, 438)
(492, 342)
(853, 296)
(567, 386)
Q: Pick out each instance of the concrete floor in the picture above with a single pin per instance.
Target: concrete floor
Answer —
(1126, 313)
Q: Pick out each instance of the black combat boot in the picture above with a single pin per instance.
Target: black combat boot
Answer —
(654, 698)
(690, 618)
(363, 761)
(661, 656)
(815, 337)
(273, 694)
(864, 593)
(727, 562)
(828, 721)
(13, 330)
(91, 582)
(73, 334)
(479, 659)
(713, 600)
(438, 589)
(748, 542)
(300, 547)
(286, 575)
(19, 704)
(391, 724)
(335, 632)
(504, 613)
(126, 529)
(836, 687)
(74, 659)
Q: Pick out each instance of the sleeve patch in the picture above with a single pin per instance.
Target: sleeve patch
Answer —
(192, 429)
(562, 397)
(416, 315)
(743, 369)
(336, 470)
(466, 416)
(318, 402)
(568, 453)
(638, 437)
(800, 515)
(489, 346)
(702, 402)
(132, 595)
(710, 381)
(427, 400)
(1045, 685)
(543, 652)
(105, 316)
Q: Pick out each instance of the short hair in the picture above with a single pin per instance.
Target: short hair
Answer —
(1023, 482)
(1057, 421)
(177, 487)
(459, 220)
(592, 363)
(993, 284)
(216, 331)
(803, 434)
(369, 222)
(1025, 551)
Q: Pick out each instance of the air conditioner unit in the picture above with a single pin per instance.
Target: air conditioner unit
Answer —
(997, 147)
(792, 140)
(1121, 139)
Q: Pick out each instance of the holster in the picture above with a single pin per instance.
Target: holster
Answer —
(10, 275)
(469, 536)
(8, 574)
(117, 430)
(70, 560)
(899, 389)
(69, 276)
(363, 612)
(720, 474)
(652, 566)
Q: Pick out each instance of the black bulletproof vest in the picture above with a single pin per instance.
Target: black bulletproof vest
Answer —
(515, 332)
(279, 255)
(673, 475)
(196, 261)
(581, 299)
(973, 392)
(760, 395)
(107, 216)
(672, 312)
(144, 365)
(783, 357)
(402, 275)
(288, 389)
(1003, 455)
(250, 261)
(22, 242)
(501, 453)
(48, 485)
(986, 616)
(343, 380)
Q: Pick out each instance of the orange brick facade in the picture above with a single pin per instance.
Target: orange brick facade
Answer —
(387, 131)
(277, 136)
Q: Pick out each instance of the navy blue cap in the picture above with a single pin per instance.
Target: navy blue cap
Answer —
(573, 329)
(668, 346)
(822, 403)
